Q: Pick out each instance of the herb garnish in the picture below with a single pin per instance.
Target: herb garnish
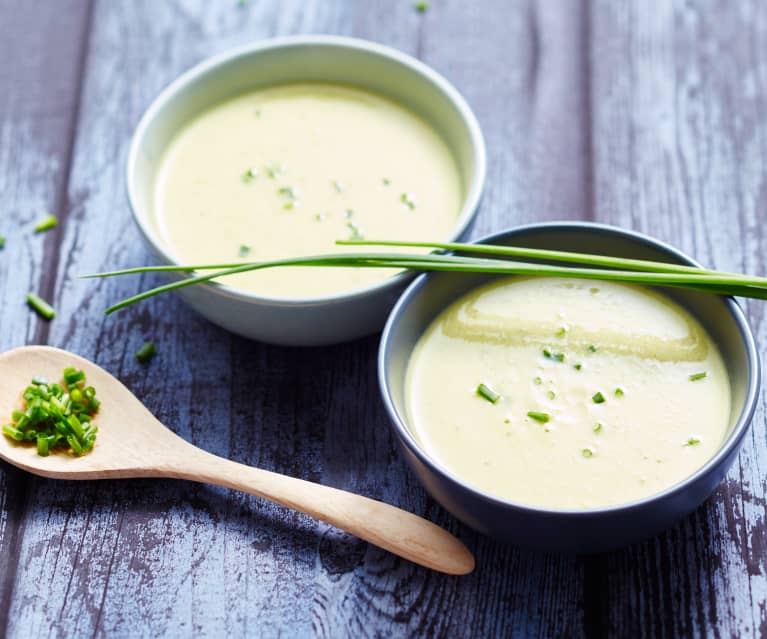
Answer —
(244, 250)
(146, 352)
(558, 357)
(250, 175)
(598, 427)
(407, 200)
(40, 306)
(356, 232)
(539, 417)
(57, 416)
(619, 392)
(483, 390)
(696, 376)
(598, 398)
(587, 452)
(2, 241)
(386, 181)
(578, 366)
(46, 224)
(421, 7)
(537, 381)
(551, 394)
(592, 348)
(338, 186)
(692, 441)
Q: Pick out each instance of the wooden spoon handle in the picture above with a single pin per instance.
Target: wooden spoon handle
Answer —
(391, 528)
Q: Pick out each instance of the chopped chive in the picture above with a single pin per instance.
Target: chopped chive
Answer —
(338, 186)
(146, 352)
(250, 175)
(288, 192)
(507, 421)
(244, 250)
(40, 306)
(488, 393)
(46, 224)
(386, 181)
(598, 398)
(2, 241)
(587, 452)
(14, 433)
(692, 441)
(558, 357)
(537, 381)
(539, 417)
(696, 376)
(598, 427)
(619, 392)
(578, 366)
(551, 394)
(592, 348)
(561, 332)
(42, 446)
(407, 200)
(356, 232)
(421, 7)
(273, 170)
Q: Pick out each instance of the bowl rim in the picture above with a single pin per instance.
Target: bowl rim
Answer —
(472, 196)
(727, 447)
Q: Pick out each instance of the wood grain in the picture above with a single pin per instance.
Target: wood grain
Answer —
(647, 115)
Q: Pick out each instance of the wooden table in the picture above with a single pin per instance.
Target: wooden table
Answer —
(647, 114)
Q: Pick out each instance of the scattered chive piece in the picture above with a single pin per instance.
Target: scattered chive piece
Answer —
(592, 348)
(250, 175)
(537, 381)
(288, 191)
(578, 366)
(40, 306)
(692, 441)
(561, 332)
(407, 200)
(46, 224)
(421, 7)
(539, 417)
(348, 214)
(587, 452)
(598, 398)
(386, 181)
(244, 250)
(507, 421)
(273, 170)
(356, 232)
(559, 357)
(57, 416)
(551, 394)
(146, 352)
(598, 427)
(696, 376)
(2, 241)
(619, 392)
(488, 393)
(338, 186)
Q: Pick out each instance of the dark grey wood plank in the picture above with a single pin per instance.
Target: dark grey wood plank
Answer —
(680, 147)
(164, 558)
(40, 60)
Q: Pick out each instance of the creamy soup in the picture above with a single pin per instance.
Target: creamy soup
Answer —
(287, 171)
(592, 393)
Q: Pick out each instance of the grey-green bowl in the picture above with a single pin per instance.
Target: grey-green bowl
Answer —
(302, 321)
(559, 529)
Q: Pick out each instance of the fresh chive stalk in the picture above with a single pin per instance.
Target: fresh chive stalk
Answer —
(615, 269)
(40, 306)
(483, 390)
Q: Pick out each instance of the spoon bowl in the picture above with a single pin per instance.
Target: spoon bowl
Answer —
(133, 443)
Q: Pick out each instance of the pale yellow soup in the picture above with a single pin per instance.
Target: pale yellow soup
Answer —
(286, 171)
(547, 347)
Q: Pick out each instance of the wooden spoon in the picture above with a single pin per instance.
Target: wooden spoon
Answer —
(132, 443)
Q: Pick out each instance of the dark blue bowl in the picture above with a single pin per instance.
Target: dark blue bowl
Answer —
(560, 529)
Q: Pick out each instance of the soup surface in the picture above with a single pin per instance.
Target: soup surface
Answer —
(595, 393)
(287, 171)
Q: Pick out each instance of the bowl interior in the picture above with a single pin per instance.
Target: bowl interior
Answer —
(430, 294)
(312, 59)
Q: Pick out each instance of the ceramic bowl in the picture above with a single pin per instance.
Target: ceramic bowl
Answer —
(560, 529)
(358, 63)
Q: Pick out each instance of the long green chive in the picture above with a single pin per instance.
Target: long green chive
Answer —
(488, 393)
(696, 376)
(46, 224)
(638, 271)
(146, 352)
(57, 415)
(539, 417)
(598, 398)
(40, 306)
